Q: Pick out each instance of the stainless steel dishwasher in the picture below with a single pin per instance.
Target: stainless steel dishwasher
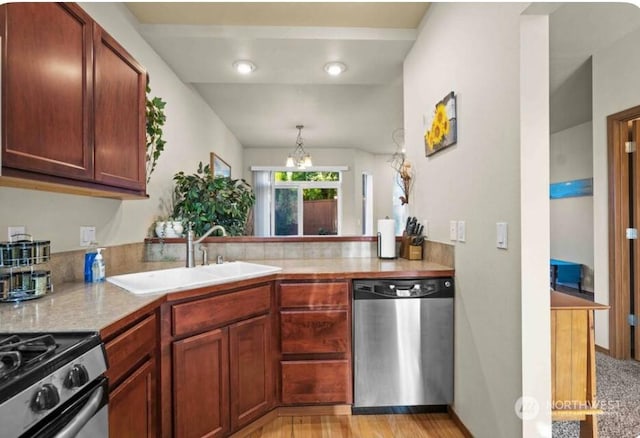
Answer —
(402, 343)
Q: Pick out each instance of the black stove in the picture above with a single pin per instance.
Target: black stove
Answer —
(42, 373)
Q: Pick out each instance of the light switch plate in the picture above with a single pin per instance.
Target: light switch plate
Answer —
(87, 235)
(425, 231)
(501, 235)
(453, 230)
(18, 229)
(462, 231)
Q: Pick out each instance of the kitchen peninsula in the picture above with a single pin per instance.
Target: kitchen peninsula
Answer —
(163, 349)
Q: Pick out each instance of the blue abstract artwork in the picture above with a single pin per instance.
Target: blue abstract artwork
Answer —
(571, 189)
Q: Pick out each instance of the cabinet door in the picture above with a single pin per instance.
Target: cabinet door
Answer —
(252, 385)
(120, 124)
(132, 405)
(47, 89)
(200, 385)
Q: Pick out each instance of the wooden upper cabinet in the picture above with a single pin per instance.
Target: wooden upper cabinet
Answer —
(73, 102)
(47, 75)
(120, 124)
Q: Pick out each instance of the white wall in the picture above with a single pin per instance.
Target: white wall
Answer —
(383, 183)
(192, 131)
(357, 160)
(473, 49)
(571, 102)
(534, 202)
(614, 90)
(572, 218)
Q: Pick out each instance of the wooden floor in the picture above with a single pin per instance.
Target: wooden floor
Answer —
(361, 426)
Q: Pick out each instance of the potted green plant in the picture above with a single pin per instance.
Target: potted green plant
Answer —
(203, 200)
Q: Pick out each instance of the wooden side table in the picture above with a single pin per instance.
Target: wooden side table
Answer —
(573, 362)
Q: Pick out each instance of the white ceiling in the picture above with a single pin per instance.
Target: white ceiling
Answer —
(291, 42)
(359, 109)
(578, 30)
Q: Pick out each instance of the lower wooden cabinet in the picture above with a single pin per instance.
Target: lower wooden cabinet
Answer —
(316, 381)
(200, 379)
(132, 405)
(317, 331)
(315, 342)
(222, 379)
(133, 374)
(252, 384)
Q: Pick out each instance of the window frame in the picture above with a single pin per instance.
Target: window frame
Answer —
(301, 185)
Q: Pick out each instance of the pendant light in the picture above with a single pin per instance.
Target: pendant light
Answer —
(299, 157)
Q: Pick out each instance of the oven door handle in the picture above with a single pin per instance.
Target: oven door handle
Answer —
(83, 417)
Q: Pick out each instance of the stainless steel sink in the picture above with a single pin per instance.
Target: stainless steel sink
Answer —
(177, 279)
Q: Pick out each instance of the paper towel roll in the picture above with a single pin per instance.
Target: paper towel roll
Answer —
(386, 238)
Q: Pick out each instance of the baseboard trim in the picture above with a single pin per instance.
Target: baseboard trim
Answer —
(257, 424)
(603, 350)
(459, 423)
(301, 411)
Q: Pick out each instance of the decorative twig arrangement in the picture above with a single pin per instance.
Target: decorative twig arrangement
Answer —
(402, 166)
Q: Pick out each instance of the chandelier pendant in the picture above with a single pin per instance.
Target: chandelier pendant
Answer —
(299, 157)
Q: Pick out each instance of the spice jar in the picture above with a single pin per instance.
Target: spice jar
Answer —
(26, 253)
(5, 254)
(39, 282)
(24, 280)
(5, 286)
(41, 251)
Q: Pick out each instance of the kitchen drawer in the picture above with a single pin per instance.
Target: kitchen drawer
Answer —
(313, 295)
(316, 331)
(127, 350)
(200, 315)
(316, 381)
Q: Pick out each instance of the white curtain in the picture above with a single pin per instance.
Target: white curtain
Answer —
(262, 209)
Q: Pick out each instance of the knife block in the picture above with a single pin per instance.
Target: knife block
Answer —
(409, 251)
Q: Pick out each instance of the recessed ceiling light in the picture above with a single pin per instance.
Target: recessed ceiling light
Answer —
(335, 68)
(244, 67)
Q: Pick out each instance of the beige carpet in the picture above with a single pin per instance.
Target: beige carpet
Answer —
(618, 384)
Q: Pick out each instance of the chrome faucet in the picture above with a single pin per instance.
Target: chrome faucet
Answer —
(191, 257)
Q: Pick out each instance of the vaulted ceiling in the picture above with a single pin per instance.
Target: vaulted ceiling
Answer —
(290, 43)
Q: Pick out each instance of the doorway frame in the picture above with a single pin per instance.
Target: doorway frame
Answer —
(619, 266)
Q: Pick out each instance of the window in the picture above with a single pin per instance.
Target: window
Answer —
(298, 203)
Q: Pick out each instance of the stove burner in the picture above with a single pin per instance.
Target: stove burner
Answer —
(15, 352)
(9, 362)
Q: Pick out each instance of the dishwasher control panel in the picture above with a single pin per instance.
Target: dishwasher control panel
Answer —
(404, 288)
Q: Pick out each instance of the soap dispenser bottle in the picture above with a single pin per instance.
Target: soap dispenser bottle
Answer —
(89, 257)
(98, 268)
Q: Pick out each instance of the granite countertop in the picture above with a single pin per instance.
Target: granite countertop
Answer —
(95, 307)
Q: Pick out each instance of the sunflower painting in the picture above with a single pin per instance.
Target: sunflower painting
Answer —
(441, 126)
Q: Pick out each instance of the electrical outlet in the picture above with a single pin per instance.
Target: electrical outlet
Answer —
(453, 230)
(18, 229)
(462, 231)
(87, 235)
